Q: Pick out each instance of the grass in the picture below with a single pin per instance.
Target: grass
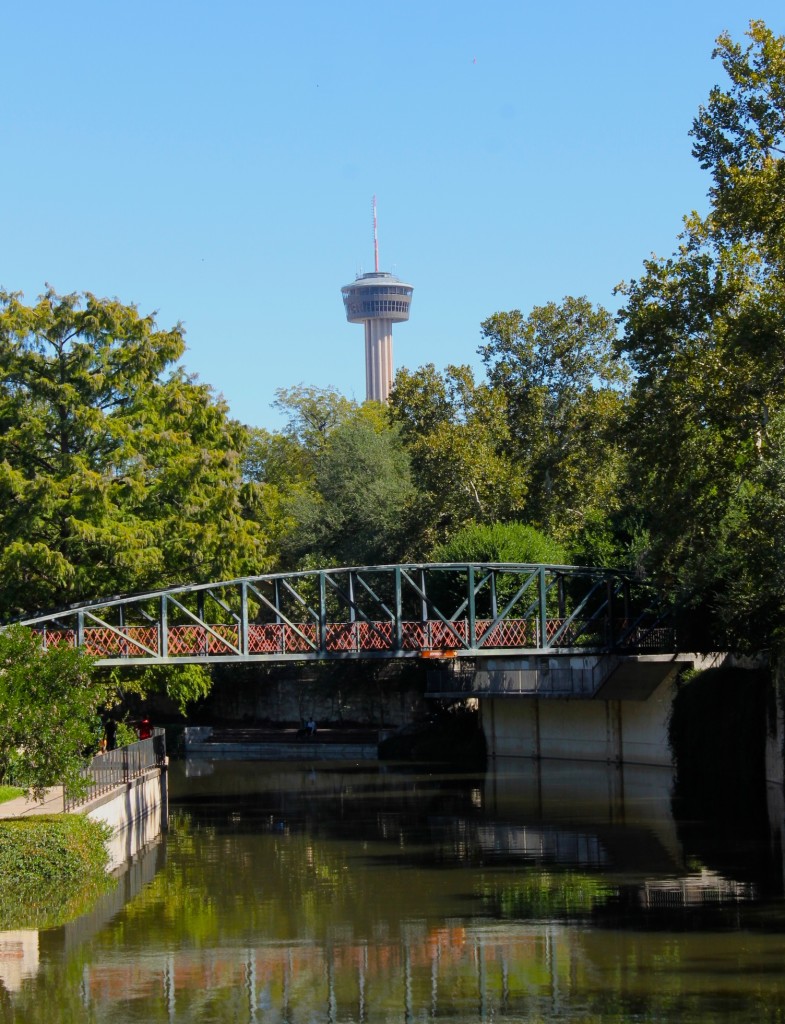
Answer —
(9, 793)
(52, 868)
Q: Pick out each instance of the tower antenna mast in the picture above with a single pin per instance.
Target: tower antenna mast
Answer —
(375, 240)
(377, 301)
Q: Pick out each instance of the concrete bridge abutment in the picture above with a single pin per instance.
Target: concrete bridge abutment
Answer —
(612, 730)
(603, 707)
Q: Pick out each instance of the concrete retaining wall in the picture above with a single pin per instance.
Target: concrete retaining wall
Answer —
(623, 731)
(137, 813)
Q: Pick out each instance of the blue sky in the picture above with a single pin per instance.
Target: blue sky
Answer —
(216, 163)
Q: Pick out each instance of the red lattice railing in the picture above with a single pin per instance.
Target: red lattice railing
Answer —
(194, 640)
(265, 639)
(101, 642)
(509, 633)
(53, 637)
(301, 640)
(378, 636)
(341, 636)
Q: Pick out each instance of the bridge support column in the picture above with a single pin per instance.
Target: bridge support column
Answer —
(608, 728)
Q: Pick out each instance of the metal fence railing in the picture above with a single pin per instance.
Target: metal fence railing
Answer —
(114, 768)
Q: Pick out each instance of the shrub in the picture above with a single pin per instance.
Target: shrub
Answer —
(52, 868)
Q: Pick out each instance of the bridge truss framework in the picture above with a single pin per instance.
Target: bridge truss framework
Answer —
(390, 611)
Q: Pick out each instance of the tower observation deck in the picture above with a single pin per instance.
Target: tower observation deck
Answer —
(377, 300)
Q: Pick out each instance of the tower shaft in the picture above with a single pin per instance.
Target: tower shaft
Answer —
(378, 359)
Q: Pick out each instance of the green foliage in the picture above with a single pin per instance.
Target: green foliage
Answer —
(313, 414)
(354, 509)
(505, 543)
(740, 138)
(125, 735)
(746, 565)
(455, 431)
(704, 332)
(563, 387)
(541, 894)
(49, 703)
(612, 541)
(52, 868)
(184, 684)
(9, 793)
(117, 471)
(500, 542)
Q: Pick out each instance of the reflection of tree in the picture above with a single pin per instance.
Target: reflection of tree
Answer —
(322, 895)
(544, 894)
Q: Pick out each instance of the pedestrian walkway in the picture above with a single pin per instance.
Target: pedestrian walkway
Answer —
(24, 807)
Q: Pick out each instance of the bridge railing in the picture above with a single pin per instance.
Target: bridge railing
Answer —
(112, 768)
(384, 611)
(218, 640)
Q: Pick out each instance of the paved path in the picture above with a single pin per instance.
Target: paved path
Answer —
(22, 807)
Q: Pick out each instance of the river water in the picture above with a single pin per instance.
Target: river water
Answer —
(333, 892)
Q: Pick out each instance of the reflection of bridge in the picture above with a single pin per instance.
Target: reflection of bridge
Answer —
(393, 611)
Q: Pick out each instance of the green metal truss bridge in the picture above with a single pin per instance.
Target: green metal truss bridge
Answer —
(389, 611)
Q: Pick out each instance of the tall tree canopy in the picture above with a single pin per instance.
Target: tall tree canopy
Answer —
(740, 139)
(456, 433)
(117, 470)
(705, 331)
(563, 388)
(336, 480)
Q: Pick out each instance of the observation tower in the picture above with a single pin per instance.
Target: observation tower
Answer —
(377, 300)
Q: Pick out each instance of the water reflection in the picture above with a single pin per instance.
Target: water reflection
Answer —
(344, 893)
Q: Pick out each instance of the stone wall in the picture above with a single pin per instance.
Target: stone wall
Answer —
(383, 695)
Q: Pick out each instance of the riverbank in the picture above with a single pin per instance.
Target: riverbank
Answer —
(134, 812)
(53, 867)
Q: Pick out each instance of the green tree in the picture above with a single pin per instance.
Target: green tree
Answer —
(358, 508)
(313, 413)
(455, 431)
(740, 138)
(501, 543)
(704, 332)
(699, 333)
(49, 704)
(747, 561)
(563, 388)
(335, 481)
(117, 470)
(283, 465)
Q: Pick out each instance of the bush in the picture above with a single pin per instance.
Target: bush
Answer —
(52, 868)
(500, 542)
